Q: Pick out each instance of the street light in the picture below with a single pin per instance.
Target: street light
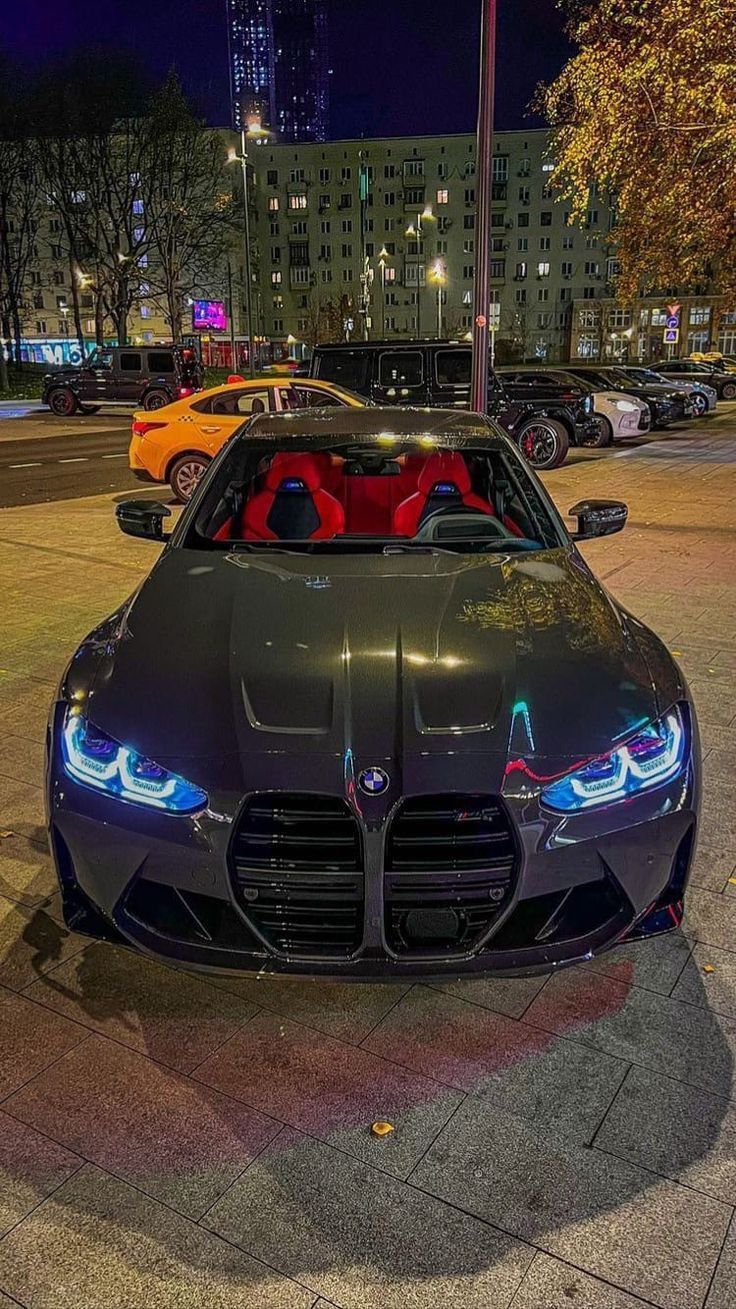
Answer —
(383, 258)
(438, 275)
(415, 231)
(254, 131)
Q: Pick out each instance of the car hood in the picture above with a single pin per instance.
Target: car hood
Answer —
(612, 397)
(412, 654)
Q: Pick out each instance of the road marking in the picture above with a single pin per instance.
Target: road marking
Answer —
(24, 465)
(122, 456)
(81, 459)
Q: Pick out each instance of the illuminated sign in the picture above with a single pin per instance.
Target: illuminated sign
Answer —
(209, 316)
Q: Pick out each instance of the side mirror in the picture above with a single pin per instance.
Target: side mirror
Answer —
(143, 518)
(598, 518)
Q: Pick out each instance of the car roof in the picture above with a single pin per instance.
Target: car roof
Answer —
(374, 344)
(405, 421)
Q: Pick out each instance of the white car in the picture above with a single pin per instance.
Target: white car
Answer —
(621, 415)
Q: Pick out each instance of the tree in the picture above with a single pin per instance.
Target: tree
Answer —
(20, 208)
(647, 108)
(187, 202)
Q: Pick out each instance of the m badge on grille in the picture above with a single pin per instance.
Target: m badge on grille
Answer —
(373, 781)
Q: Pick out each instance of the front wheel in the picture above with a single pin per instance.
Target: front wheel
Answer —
(699, 404)
(62, 402)
(597, 440)
(156, 400)
(728, 390)
(185, 475)
(544, 442)
(89, 409)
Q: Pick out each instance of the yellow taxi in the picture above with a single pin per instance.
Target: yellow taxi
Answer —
(175, 444)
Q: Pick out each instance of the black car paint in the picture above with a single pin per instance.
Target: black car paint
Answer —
(95, 385)
(667, 405)
(252, 672)
(691, 370)
(513, 408)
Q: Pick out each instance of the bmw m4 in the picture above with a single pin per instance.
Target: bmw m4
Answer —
(372, 714)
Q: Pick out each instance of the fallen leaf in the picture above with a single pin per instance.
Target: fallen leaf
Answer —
(382, 1128)
(676, 652)
(4, 833)
(708, 968)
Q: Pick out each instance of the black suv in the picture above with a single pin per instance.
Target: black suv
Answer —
(147, 377)
(692, 370)
(437, 373)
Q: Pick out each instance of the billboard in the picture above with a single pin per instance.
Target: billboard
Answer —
(209, 316)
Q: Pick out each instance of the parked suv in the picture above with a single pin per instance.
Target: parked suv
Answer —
(543, 423)
(147, 377)
(688, 370)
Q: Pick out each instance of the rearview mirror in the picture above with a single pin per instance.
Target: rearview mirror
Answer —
(598, 518)
(143, 518)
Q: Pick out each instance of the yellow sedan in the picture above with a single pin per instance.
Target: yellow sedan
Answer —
(176, 443)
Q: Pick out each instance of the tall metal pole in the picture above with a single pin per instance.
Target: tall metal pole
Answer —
(419, 264)
(483, 182)
(248, 278)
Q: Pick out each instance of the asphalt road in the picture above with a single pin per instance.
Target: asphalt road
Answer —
(44, 466)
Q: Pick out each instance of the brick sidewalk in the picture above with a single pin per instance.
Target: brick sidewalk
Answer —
(171, 1141)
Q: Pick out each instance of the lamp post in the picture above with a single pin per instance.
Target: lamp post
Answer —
(484, 172)
(438, 275)
(253, 131)
(415, 231)
(383, 258)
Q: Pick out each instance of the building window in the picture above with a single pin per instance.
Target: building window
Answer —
(544, 319)
(588, 293)
(275, 254)
(592, 269)
(542, 269)
(545, 218)
(299, 254)
(468, 272)
(470, 195)
(619, 318)
(324, 175)
(497, 244)
(41, 326)
(414, 195)
(278, 324)
(469, 222)
(299, 228)
(389, 198)
(524, 195)
(389, 170)
(297, 175)
(347, 275)
(543, 294)
(520, 296)
(272, 177)
(699, 314)
(498, 268)
(469, 246)
(347, 225)
(347, 250)
(566, 268)
(520, 270)
(345, 201)
(591, 217)
(443, 195)
(145, 311)
(300, 276)
(345, 173)
(325, 227)
(568, 243)
(697, 341)
(276, 277)
(326, 275)
(325, 252)
(544, 243)
(273, 203)
(498, 220)
(414, 168)
(389, 274)
(547, 192)
(522, 243)
(278, 302)
(297, 200)
(522, 220)
(500, 168)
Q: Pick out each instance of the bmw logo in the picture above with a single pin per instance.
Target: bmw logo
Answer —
(373, 781)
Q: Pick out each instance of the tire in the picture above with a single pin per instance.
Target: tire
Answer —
(156, 400)
(604, 436)
(728, 391)
(89, 409)
(62, 402)
(544, 442)
(185, 474)
(700, 404)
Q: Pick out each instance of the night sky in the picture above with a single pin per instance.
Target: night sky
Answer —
(398, 67)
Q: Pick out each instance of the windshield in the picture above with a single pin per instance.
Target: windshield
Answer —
(370, 495)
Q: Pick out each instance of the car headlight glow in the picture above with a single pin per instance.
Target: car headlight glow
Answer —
(651, 757)
(627, 407)
(92, 757)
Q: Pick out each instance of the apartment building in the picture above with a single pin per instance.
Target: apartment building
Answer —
(608, 330)
(377, 237)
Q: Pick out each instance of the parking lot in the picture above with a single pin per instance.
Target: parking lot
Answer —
(173, 1140)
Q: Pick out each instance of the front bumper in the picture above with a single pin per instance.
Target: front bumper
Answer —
(167, 885)
(587, 428)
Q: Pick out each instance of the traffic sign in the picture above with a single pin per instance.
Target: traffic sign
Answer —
(671, 335)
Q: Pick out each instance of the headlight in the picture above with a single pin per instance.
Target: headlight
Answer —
(588, 404)
(626, 406)
(651, 757)
(96, 759)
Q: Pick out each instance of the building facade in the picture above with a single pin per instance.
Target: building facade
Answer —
(377, 237)
(279, 70)
(610, 331)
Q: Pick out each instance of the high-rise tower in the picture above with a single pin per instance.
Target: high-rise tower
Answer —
(278, 66)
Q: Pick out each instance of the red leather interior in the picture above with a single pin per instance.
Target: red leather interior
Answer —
(293, 484)
(443, 469)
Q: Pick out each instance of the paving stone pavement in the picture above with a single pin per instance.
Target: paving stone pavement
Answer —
(179, 1141)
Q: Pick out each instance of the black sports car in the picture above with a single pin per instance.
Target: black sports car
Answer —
(371, 713)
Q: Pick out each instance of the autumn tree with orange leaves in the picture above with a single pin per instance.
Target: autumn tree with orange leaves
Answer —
(647, 108)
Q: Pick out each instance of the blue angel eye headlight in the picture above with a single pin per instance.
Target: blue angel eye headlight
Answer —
(96, 759)
(651, 757)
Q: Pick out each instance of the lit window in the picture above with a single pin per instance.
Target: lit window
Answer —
(273, 203)
(276, 277)
(443, 196)
(298, 200)
(542, 269)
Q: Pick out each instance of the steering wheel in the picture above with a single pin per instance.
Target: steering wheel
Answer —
(440, 524)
